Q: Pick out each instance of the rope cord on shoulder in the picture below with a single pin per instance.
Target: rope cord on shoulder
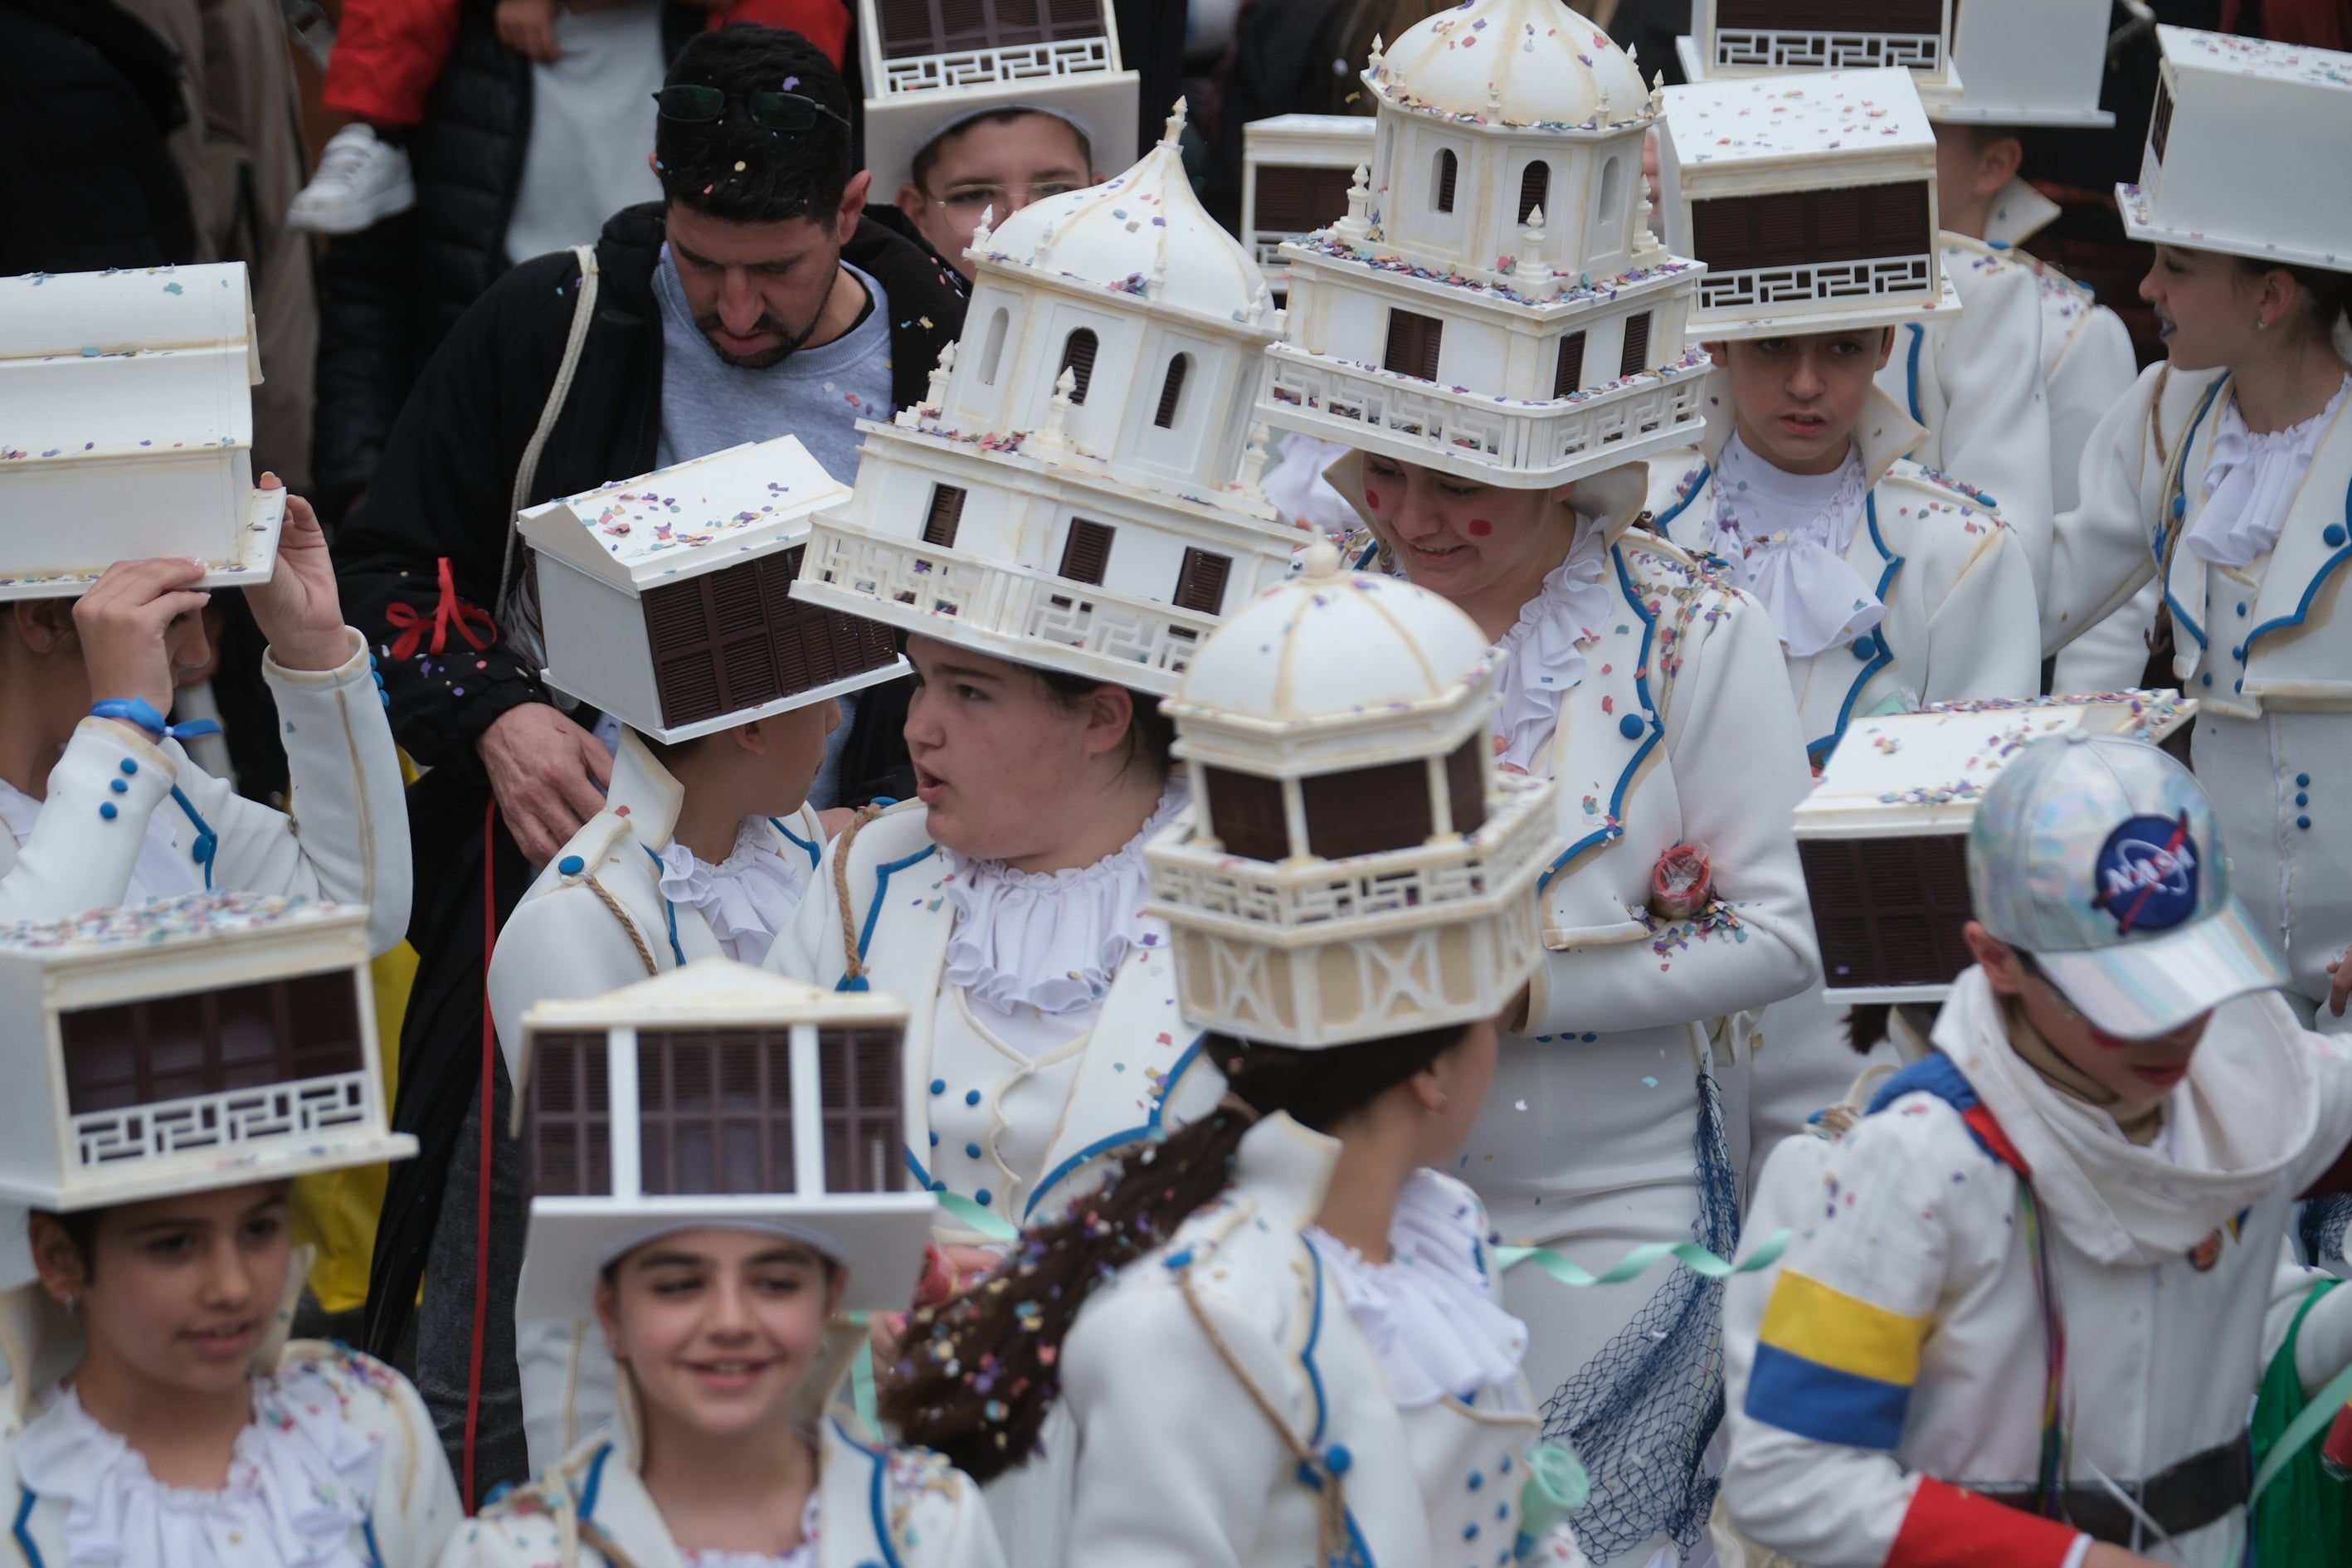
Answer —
(854, 965)
(583, 314)
(1314, 1470)
(636, 938)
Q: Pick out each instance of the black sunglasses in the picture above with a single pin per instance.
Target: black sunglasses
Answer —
(768, 111)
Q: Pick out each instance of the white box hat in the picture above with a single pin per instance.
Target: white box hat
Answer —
(188, 1044)
(1295, 173)
(665, 599)
(126, 427)
(1734, 38)
(2028, 62)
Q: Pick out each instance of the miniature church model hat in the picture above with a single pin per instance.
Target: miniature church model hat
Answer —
(2100, 856)
(717, 1096)
(1352, 866)
(2245, 151)
(126, 428)
(2028, 62)
(1811, 198)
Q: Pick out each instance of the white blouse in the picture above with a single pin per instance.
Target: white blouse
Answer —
(747, 898)
(300, 1484)
(1786, 535)
(2251, 481)
(804, 1555)
(1546, 645)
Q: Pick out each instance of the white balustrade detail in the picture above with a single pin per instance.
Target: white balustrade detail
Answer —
(222, 1122)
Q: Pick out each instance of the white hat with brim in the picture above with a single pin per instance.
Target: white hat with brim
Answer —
(2131, 202)
(1099, 106)
(2153, 985)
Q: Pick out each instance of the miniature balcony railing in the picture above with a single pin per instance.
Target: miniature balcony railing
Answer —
(1818, 282)
(223, 1123)
(989, 67)
(1753, 49)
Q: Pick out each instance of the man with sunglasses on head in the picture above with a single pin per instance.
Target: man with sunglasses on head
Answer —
(753, 300)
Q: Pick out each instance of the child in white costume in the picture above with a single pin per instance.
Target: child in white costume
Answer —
(2032, 1293)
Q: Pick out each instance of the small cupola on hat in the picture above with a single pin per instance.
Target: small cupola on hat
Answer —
(718, 1095)
(665, 599)
(1811, 198)
(2245, 151)
(1492, 303)
(930, 67)
(2028, 62)
(1352, 866)
(186, 1043)
(1884, 837)
(1734, 38)
(1078, 489)
(126, 428)
(1295, 173)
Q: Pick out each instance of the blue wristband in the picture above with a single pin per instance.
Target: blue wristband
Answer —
(137, 711)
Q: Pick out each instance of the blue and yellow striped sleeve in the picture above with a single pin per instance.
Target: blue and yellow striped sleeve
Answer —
(1833, 1367)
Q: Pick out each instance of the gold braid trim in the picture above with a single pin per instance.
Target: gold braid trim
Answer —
(636, 938)
(854, 965)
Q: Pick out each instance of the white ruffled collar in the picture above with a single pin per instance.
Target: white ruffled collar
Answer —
(1547, 645)
(1053, 940)
(1430, 1313)
(747, 898)
(2251, 483)
(302, 1481)
(1788, 544)
(804, 1555)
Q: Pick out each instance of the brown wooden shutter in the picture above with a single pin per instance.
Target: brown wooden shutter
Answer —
(908, 27)
(735, 638)
(1074, 18)
(864, 1135)
(1831, 15)
(1894, 220)
(1171, 388)
(1448, 168)
(1367, 810)
(1246, 812)
(568, 1126)
(715, 1111)
(1534, 187)
(1413, 343)
(1200, 585)
(1298, 199)
(1568, 376)
(813, 646)
(1464, 789)
(1079, 359)
(947, 512)
(1086, 554)
(2159, 129)
(209, 1042)
(1636, 357)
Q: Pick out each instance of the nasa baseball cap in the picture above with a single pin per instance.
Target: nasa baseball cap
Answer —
(2100, 856)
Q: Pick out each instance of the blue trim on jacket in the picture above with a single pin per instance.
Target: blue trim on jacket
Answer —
(1935, 1074)
(1816, 750)
(2164, 525)
(1911, 369)
(671, 910)
(1104, 1145)
(882, 875)
(816, 852)
(876, 1497)
(2310, 589)
(1616, 829)
(23, 1536)
(1658, 523)
(206, 848)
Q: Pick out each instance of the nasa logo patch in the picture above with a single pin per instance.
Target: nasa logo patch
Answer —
(2146, 874)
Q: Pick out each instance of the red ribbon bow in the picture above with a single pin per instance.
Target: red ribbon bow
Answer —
(449, 611)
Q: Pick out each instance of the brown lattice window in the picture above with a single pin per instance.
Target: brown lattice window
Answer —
(1366, 810)
(1889, 911)
(569, 1117)
(1854, 222)
(207, 1042)
(1534, 187)
(2159, 129)
(1245, 811)
(1200, 585)
(1086, 554)
(1449, 169)
(1079, 359)
(864, 1127)
(1568, 375)
(1831, 15)
(1636, 357)
(1466, 789)
(1171, 392)
(1292, 199)
(715, 1111)
(734, 639)
(947, 512)
(1414, 341)
(941, 26)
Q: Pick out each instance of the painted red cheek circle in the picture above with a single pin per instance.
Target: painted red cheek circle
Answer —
(1479, 528)
(1372, 497)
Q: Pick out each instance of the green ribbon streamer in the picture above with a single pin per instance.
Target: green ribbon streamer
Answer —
(2304, 1428)
(971, 1217)
(1642, 1258)
(861, 1376)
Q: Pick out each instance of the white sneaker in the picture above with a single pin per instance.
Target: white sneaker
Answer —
(360, 179)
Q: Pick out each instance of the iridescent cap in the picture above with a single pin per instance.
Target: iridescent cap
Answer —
(2100, 856)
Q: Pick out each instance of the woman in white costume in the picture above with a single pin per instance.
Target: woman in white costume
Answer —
(2225, 477)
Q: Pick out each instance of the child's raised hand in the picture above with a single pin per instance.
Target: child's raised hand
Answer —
(133, 632)
(528, 28)
(298, 609)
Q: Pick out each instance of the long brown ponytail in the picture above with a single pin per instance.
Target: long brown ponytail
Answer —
(977, 1376)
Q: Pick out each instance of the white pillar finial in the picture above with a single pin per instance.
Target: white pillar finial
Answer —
(1054, 438)
(1358, 224)
(1175, 136)
(980, 236)
(1380, 53)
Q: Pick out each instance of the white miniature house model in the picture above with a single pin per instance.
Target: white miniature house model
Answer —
(1296, 172)
(666, 598)
(126, 427)
(2245, 151)
(929, 63)
(713, 1092)
(1074, 490)
(164, 1043)
(1732, 39)
(1493, 303)
(1807, 196)
(1883, 837)
(1352, 865)
(2030, 62)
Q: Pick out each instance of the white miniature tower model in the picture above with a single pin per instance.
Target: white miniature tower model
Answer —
(1295, 173)
(712, 1094)
(2245, 151)
(666, 598)
(126, 428)
(1884, 836)
(1352, 866)
(1074, 490)
(1493, 304)
(2028, 62)
(1732, 39)
(930, 64)
(205, 1041)
(1811, 198)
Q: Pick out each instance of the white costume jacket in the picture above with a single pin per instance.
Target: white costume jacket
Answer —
(1898, 1352)
(348, 841)
(2263, 648)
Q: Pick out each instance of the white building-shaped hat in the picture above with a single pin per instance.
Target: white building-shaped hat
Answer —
(665, 599)
(126, 427)
(2245, 151)
(1811, 198)
(186, 1044)
(1493, 304)
(1352, 866)
(932, 65)
(2028, 62)
(1884, 836)
(1733, 38)
(1074, 491)
(718, 1095)
(1295, 173)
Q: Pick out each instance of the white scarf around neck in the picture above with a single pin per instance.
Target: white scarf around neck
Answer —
(1791, 557)
(1547, 645)
(2251, 482)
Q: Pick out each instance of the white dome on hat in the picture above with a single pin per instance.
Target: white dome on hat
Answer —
(1143, 232)
(1514, 62)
